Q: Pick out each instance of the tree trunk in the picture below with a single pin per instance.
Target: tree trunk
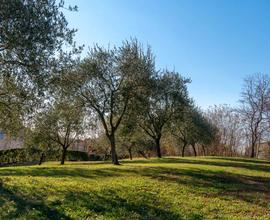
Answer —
(194, 149)
(158, 147)
(64, 153)
(113, 150)
(258, 148)
(130, 153)
(41, 158)
(203, 148)
(183, 149)
(252, 150)
(143, 154)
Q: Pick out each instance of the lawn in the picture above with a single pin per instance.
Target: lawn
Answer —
(168, 188)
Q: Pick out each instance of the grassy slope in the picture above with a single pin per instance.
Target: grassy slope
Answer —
(170, 188)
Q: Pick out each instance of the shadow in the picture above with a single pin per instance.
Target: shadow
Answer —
(256, 165)
(249, 166)
(151, 160)
(75, 163)
(252, 189)
(110, 204)
(107, 203)
(243, 160)
(24, 205)
(61, 172)
(21, 164)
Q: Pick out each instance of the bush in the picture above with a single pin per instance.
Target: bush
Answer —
(77, 156)
(12, 156)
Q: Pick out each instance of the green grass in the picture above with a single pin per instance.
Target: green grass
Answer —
(168, 188)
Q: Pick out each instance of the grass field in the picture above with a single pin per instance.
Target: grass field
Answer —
(168, 188)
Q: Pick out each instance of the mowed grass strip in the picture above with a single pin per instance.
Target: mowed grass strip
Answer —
(167, 188)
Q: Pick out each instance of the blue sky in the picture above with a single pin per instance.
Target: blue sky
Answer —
(214, 42)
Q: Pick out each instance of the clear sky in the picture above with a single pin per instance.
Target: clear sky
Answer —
(214, 42)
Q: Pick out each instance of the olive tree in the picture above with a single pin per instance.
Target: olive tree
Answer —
(168, 96)
(229, 129)
(192, 128)
(109, 81)
(62, 124)
(31, 39)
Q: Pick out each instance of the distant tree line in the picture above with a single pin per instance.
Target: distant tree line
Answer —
(243, 129)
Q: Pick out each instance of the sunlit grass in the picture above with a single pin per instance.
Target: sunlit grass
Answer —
(168, 188)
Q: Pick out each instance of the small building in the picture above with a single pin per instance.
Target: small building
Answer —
(9, 142)
(264, 150)
(12, 142)
(79, 145)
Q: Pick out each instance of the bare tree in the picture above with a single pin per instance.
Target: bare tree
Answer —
(229, 129)
(255, 94)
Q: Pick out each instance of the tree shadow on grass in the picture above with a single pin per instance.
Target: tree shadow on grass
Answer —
(252, 189)
(207, 183)
(110, 204)
(25, 205)
(249, 166)
(243, 160)
(228, 162)
(60, 172)
(107, 203)
(221, 180)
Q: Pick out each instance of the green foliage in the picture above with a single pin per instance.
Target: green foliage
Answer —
(60, 125)
(25, 155)
(167, 99)
(109, 82)
(32, 155)
(49, 93)
(193, 128)
(13, 156)
(168, 188)
(31, 39)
